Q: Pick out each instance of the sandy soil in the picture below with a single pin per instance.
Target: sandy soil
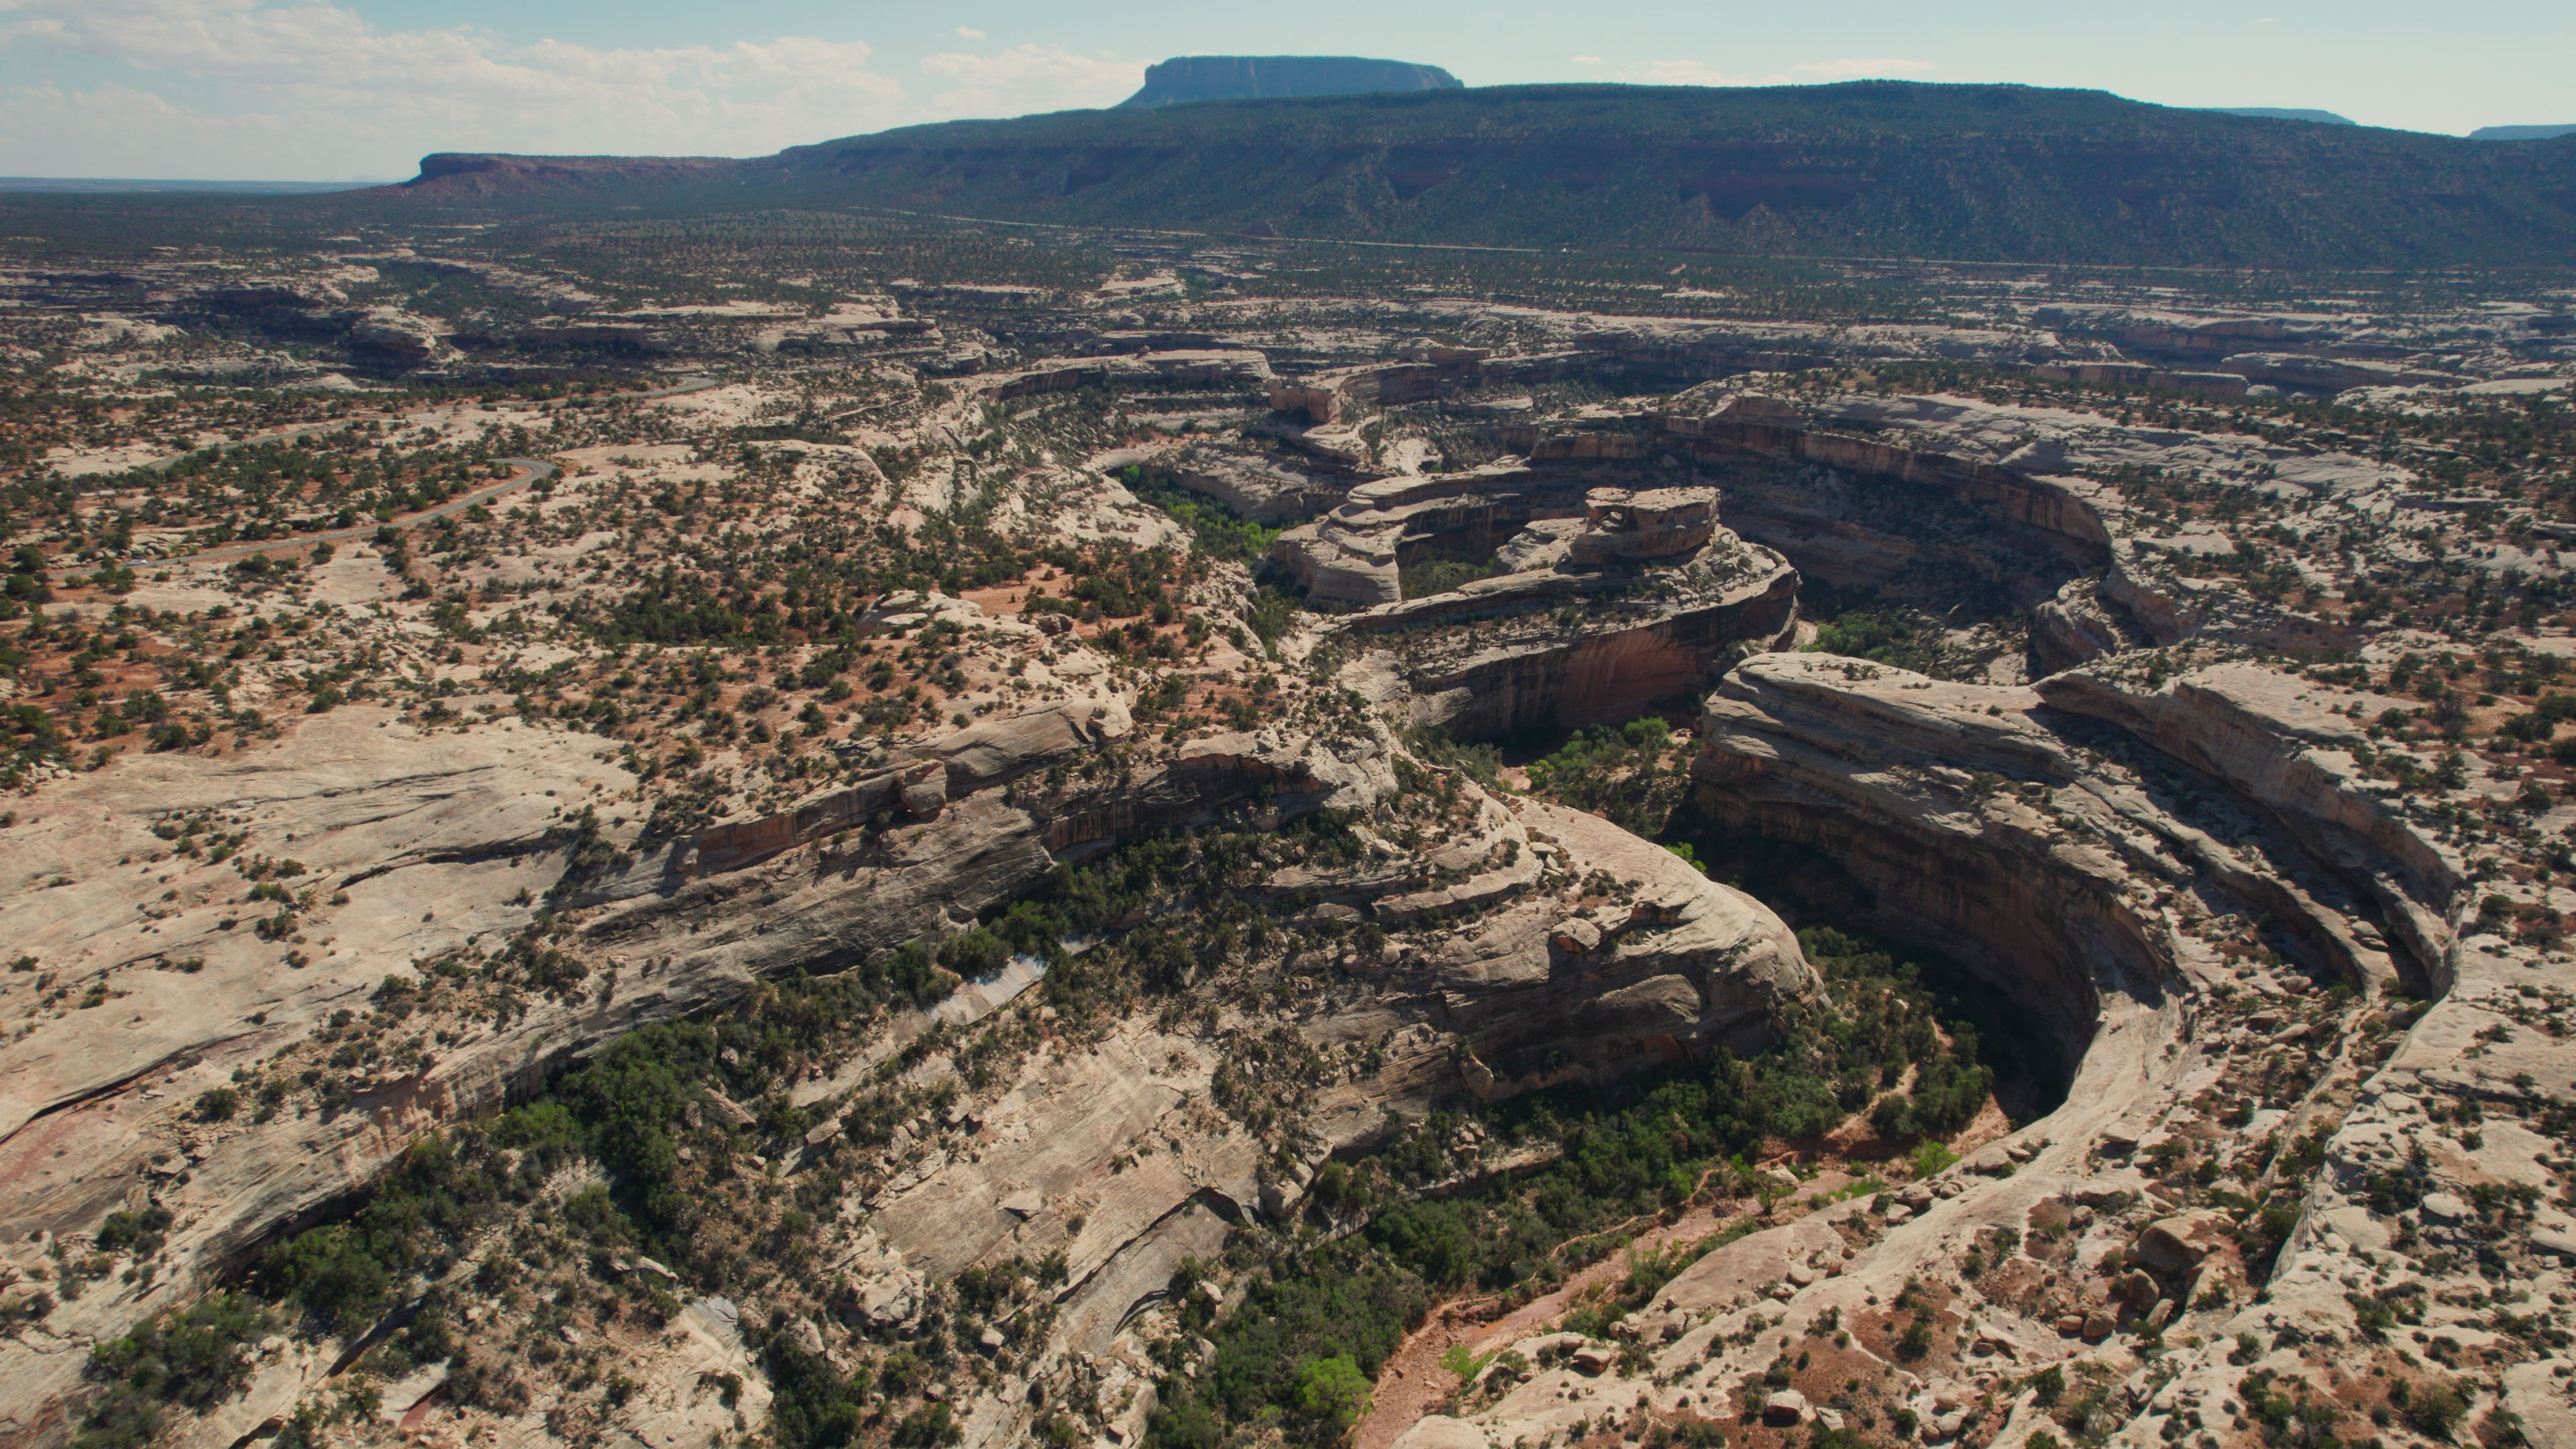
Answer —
(1413, 1384)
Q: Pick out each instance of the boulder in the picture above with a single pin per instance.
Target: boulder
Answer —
(2171, 1245)
(2443, 1207)
(926, 796)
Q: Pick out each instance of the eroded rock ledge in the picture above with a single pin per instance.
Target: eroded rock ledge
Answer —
(1552, 980)
(2108, 850)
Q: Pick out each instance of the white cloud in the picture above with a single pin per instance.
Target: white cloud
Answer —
(1878, 67)
(969, 32)
(313, 89)
(114, 130)
(1681, 73)
(1028, 78)
(1589, 60)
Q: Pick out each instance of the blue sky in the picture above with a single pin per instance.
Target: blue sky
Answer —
(333, 89)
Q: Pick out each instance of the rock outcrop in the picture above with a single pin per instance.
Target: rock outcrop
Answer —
(158, 1001)
(2086, 844)
(390, 336)
(1633, 525)
(1220, 367)
(1260, 486)
(1560, 647)
(1110, 1157)
(955, 828)
(1597, 615)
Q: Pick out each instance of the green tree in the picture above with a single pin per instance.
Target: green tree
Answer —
(1332, 1393)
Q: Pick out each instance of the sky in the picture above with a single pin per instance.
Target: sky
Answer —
(329, 90)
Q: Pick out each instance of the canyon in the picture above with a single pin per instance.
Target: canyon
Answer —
(1006, 808)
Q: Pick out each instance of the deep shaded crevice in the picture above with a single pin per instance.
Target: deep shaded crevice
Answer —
(511, 850)
(1809, 887)
(2056, 943)
(2034, 1056)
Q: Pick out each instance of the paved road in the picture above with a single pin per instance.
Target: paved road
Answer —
(530, 470)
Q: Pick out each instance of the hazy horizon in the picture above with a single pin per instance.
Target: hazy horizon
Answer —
(358, 90)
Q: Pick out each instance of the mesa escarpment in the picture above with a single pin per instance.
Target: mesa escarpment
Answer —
(944, 873)
(1858, 169)
(1187, 78)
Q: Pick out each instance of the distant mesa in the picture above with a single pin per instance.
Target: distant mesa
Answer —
(2522, 133)
(464, 174)
(1864, 168)
(1187, 78)
(2285, 113)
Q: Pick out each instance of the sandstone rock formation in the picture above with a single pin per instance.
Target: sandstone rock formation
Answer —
(1560, 647)
(1632, 526)
(1060, 938)
(1680, 964)
(1259, 486)
(2083, 868)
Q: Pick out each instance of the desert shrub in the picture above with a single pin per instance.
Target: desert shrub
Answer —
(1632, 775)
(192, 1359)
(1627, 1152)
(812, 1406)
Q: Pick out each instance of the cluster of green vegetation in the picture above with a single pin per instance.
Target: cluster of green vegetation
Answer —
(37, 414)
(1323, 1309)
(1899, 637)
(1422, 579)
(277, 488)
(814, 586)
(639, 1111)
(1634, 775)
(1216, 530)
(630, 1110)
(192, 1360)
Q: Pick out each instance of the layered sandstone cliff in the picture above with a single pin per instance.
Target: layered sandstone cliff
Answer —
(2102, 850)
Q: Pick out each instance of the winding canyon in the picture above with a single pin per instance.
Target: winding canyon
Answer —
(973, 839)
